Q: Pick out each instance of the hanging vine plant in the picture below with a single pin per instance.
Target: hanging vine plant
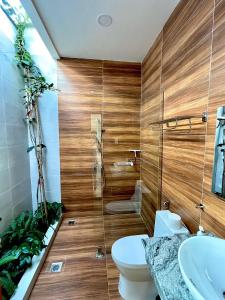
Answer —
(35, 86)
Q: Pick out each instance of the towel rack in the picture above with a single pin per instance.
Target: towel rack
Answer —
(175, 122)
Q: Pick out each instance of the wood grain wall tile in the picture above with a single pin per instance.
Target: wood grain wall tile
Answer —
(185, 81)
(151, 111)
(81, 91)
(213, 218)
(192, 79)
(121, 122)
(112, 89)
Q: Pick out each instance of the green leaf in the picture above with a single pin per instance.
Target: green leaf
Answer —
(7, 283)
(7, 259)
(29, 149)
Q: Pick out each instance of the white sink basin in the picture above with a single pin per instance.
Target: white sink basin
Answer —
(202, 264)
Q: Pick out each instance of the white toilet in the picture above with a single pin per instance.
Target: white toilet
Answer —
(128, 254)
(127, 206)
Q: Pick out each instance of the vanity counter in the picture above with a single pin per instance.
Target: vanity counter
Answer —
(162, 259)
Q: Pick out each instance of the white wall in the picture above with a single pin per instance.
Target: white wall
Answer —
(18, 177)
(15, 189)
(49, 118)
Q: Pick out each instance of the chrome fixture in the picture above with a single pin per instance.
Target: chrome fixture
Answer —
(180, 123)
(123, 164)
(166, 205)
(136, 158)
(98, 175)
(200, 206)
(99, 253)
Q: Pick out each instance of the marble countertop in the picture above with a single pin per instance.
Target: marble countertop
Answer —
(162, 259)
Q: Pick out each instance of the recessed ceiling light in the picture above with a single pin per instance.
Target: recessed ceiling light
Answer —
(104, 20)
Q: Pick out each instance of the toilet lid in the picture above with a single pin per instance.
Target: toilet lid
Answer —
(130, 251)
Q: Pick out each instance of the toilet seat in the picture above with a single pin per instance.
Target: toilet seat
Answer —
(129, 252)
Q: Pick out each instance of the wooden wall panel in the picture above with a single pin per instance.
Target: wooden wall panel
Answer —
(81, 92)
(192, 79)
(214, 216)
(112, 89)
(151, 111)
(121, 123)
(185, 81)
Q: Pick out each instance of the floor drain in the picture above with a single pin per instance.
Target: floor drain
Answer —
(56, 267)
(71, 222)
(99, 253)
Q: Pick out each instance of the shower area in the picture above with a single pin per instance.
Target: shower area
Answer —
(110, 174)
(99, 116)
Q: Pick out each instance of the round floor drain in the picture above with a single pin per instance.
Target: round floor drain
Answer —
(56, 267)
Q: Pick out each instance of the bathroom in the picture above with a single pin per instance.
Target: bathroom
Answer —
(112, 178)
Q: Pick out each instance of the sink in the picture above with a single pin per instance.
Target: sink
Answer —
(202, 264)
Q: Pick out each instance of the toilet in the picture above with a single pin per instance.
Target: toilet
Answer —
(128, 253)
(127, 206)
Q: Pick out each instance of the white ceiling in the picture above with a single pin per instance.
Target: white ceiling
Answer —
(73, 28)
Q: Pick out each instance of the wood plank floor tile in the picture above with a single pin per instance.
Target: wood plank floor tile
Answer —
(113, 279)
(83, 276)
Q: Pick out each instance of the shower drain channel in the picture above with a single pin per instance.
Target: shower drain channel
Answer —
(56, 267)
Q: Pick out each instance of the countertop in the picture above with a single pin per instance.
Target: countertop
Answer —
(162, 259)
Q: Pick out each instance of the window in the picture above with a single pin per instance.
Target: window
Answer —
(14, 10)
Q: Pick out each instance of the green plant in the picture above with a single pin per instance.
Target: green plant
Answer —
(15, 262)
(7, 284)
(23, 239)
(54, 212)
(23, 228)
(35, 86)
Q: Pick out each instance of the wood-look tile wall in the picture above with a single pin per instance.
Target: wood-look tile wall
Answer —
(81, 94)
(214, 216)
(121, 122)
(151, 111)
(192, 80)
(112, 89)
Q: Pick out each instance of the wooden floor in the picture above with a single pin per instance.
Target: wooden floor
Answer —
(83, 276)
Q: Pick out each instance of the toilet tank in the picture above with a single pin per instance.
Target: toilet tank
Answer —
(168, 224)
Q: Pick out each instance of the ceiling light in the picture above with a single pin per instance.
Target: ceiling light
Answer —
(104, 20)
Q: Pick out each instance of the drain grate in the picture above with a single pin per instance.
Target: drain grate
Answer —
(56, 267)
(72, 222)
